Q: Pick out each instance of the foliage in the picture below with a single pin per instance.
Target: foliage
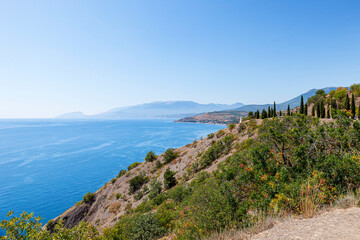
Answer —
(28, 227)
(155, 188)
(150, 156)
(89, 197)
(232, 126)
(169, 179)
(133, 165)
(121, 173)
(137, 182)
(169, 155)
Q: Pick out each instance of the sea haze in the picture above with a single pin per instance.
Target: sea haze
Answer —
(48, 165)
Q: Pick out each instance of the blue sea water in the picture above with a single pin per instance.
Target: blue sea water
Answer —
(48, 165)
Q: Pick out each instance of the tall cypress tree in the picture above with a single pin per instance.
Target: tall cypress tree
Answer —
(306, 109)
(302, 105)
(353, 107)
(263, 114)
(347, 102)
(280, 114)
(288, 110)
(257, 114)
(318, 110)
(269, 112)
(333, 104)
(274, 109)
(313, 111)
(322, 109)
(328, 111)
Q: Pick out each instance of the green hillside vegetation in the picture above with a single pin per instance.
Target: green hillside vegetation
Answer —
(295, 163)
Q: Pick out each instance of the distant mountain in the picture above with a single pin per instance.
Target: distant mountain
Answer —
(72, 115)
(166, 109)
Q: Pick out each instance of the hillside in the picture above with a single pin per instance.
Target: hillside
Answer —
(165, 109)
(233, 115)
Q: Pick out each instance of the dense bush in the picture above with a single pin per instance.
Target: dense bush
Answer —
(121, 173)
(137, 182)
(150, 156)
(133, 165)
(169, 155)
(155, 188)
(169, 179)
(89, 197)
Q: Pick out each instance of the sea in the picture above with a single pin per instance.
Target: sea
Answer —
(47, 165)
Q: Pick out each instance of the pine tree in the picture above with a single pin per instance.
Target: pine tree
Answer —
(347, 102)
(274, 109)
(302, 105)
(288, 110)
(353, 107)
(313, 111)
(306, 109)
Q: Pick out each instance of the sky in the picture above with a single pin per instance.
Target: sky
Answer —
(91, 56)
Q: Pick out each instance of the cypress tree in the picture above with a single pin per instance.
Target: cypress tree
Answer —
(269, 112)
(353, 107)
(263, 114)
(288, 110)
(333, 104)
(306, 109)
(322, 109)
(318, 110)
(257, 114)
(302, 105)
(274, 109)
(347, 102)
(280, 114)
(328, 111)
(313, 111)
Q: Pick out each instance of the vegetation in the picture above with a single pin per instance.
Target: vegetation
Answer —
(133, 165)
(169, 155)
(169, 179)
(150, 157)
(121, 173)
(89, 197)
(137, 182)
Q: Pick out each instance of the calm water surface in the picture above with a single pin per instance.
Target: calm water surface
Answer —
(48, 165)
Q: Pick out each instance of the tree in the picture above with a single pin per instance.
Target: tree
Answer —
(313, 111)
(150, 156)
(251, 114)
(280, 113)
(257, 114)
(169, 179)
(306, 109)
(274, 109)
(353, 107)
(328, 112)
(263, 114)
(169, 155)
(288, 110)
(269, 112)
(302, 105)
(333, 104)
(322, 109)
(347, 102)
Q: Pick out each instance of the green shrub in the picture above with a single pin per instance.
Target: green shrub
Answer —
(155, 188)
(150, 156)
(146, 226)
(133, 165)
(232, 126)
(158, 164)
(169, 155)
(113, 180)
(169, 179)
(210, 136)
(89, 197)
(137, 182)
(138, 195)
(220, 133)
(117, 195)
(121, 173)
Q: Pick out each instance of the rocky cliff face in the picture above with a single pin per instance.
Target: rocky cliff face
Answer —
(114, 199)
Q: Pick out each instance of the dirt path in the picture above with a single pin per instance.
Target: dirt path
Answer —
(341, 224)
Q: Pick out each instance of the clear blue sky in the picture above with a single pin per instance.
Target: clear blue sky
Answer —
(91, 56)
